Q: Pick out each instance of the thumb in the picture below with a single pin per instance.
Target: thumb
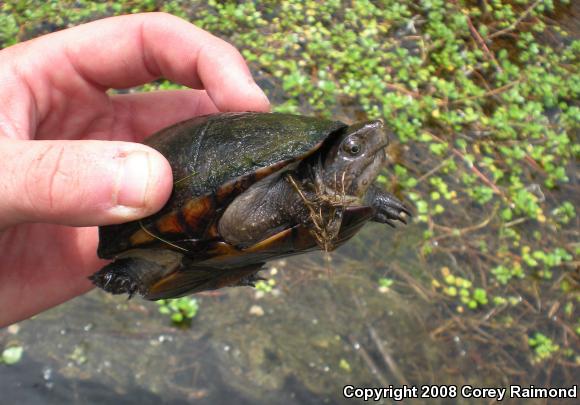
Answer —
(80, 183)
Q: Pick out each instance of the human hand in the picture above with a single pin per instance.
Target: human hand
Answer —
(65, 144)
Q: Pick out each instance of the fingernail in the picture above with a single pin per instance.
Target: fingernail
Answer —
(134, 180)
(260, 91)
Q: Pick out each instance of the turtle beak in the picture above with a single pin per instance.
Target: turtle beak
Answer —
(380, 153)
(383, 149)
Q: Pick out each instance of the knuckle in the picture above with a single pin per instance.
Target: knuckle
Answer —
(231, 50)
(160, 18)
(169, 17)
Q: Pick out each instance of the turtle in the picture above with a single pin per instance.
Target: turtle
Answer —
(248, 187)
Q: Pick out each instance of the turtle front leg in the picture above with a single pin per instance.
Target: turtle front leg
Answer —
(387, 207)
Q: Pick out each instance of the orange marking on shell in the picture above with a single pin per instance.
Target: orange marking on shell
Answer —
(265, 171)
(158, 286)
(227, 189)
(169, 224)
(213, 232)
(140, 237)
(274, 242)
(224, 249)
(195, 210)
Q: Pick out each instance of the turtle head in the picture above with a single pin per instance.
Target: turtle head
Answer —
(353, 160)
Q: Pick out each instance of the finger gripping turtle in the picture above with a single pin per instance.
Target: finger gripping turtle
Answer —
(248, 188)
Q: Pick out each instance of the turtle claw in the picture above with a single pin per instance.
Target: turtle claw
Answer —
(384, 219)
(389, 208)
(396, 209)
(403, 217)
(388, 215)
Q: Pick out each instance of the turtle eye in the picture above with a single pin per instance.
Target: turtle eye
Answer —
(352, 146)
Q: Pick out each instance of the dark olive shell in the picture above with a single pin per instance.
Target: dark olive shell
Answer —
(214, 158)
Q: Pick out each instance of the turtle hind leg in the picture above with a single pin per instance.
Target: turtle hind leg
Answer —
(137, 271)
(128, 276)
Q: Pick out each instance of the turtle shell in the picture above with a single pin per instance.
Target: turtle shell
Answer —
(214, 158)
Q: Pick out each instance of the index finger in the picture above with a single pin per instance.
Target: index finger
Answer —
(126, 51)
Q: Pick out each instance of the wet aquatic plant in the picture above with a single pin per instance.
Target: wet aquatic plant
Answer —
(543, 346)
(180, 310)
(266, 286)
(11, 355)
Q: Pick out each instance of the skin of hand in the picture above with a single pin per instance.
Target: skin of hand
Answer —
(68, 158)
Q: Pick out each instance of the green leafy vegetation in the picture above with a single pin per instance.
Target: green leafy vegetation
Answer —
(385, 284)
(543, 346)
(266, 286)
(180, 310)
(11, 355)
